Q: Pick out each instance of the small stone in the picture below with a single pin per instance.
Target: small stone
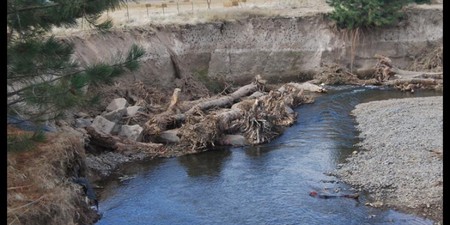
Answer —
(83, 122)
(132, 110)
(354, 152)
(376, 204)
(118, 103)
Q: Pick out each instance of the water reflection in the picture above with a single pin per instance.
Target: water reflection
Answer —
(131, 170)
(205, 164)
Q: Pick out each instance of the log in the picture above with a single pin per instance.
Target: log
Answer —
(101, 139)
(424, 81)
(405, 74)
(115, 143)
(174, 100)
(225, 100)
(306, 86)
(237, 111)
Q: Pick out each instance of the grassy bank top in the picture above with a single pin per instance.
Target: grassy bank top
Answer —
(181, 12)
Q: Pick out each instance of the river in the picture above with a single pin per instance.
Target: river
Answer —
(265, 184)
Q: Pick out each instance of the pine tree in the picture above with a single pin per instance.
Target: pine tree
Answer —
(354, 14)
(42, 79)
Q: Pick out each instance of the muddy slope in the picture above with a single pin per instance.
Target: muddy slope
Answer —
(277, 47)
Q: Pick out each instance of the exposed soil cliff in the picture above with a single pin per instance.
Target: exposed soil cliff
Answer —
(278, 48)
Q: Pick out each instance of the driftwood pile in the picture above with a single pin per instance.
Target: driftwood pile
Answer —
(405, 80)
(248, 116)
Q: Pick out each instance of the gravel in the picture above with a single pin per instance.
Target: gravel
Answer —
(400, 163)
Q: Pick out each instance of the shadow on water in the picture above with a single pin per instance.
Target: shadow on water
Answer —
(265, 184)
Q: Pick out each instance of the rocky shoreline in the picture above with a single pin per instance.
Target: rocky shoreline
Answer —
(401, 162)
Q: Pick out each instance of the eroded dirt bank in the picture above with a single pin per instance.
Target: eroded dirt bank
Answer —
(401, 165)
(275, 47)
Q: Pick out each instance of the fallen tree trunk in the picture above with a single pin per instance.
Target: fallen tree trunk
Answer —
(424, 81)
(122, 145)
(406, 74)
(306, 86)
(225, 100)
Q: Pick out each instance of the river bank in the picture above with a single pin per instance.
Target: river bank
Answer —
(401, 164)
(182, 56)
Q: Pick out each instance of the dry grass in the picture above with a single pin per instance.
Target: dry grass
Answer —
(196, 11)
(38, 190)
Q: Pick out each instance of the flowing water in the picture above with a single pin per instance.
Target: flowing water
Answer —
(266, 184)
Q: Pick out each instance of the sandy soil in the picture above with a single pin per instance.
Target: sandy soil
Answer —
(403, 165)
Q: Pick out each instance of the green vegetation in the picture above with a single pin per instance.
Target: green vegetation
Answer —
(42, 79)
(353, 14)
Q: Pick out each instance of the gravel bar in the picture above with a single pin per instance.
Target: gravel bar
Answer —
(400, 163)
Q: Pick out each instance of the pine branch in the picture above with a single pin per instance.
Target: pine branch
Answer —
(48, 6)
(33, 8)
(133, 55)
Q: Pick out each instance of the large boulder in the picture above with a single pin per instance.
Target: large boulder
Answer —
(103, 125)
(131, 132)
(116, 104)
